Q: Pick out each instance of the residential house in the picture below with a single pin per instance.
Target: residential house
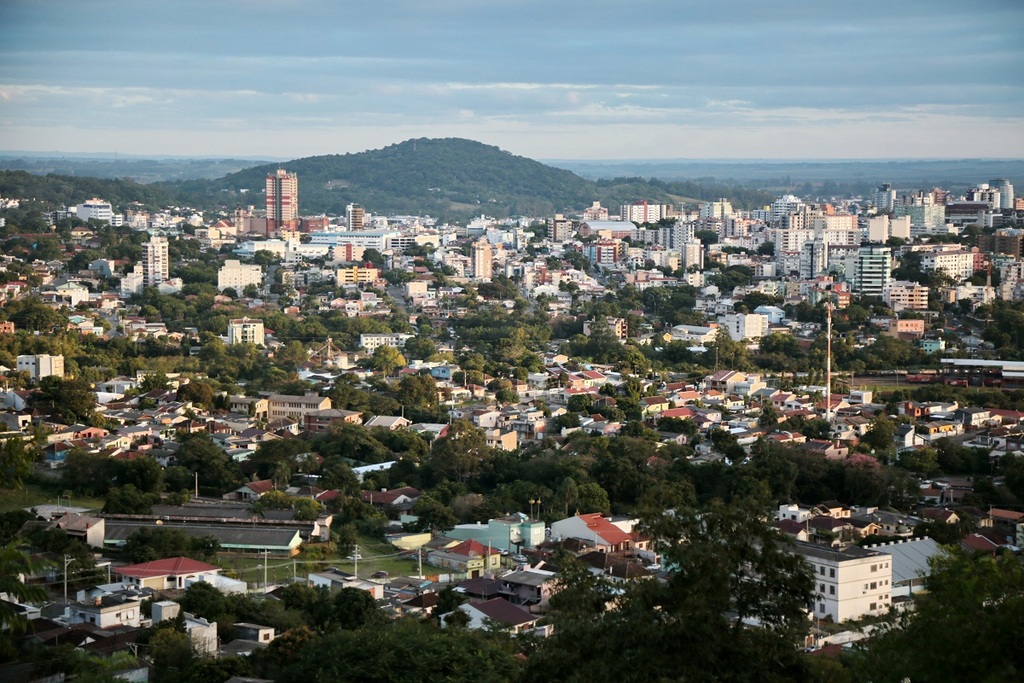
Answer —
(165, 574)
(498, 612)
(468, 557)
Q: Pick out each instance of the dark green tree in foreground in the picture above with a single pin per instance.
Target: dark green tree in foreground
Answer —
(731, 568)
(967, 627)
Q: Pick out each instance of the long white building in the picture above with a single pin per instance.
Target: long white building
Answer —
(850, 583)
(238, 275)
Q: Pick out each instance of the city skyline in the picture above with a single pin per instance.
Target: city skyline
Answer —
(572, 80)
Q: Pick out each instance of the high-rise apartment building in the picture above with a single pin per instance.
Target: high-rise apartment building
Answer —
(155, 261)
(246, 331)
(885, 198)
(355, 217)
(41, 365)
(1005, 192)
(282, 200)
(873, 270)
(483, 260)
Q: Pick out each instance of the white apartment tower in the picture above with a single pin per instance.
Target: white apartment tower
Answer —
(155, 261)
(872, 271)
(885, 198)
(246, 331)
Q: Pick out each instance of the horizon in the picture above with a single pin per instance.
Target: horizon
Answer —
(574, 81)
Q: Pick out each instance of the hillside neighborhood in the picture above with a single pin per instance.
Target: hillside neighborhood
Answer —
(230, 434)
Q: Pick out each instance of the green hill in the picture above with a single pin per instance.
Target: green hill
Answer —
(447, 178)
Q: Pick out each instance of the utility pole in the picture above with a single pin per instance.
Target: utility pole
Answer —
(67, 561)
(355, 558)
(828, 366)
(419, 558)
(197, 484)
(266, 553)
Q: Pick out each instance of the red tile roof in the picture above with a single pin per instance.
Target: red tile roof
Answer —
(612, 534)
(172, 566)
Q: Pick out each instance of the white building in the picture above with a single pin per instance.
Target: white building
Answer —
(872, 270)
(371, 342)
(246, 331)
(902, 296)
(238, 275)
(956, 263)
(156, 264)
(132, 283)
(42, 365)
(850, 583)
(744, 326)
(95, 209)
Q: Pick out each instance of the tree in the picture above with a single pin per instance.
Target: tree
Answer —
(431, 515)
(354, 608)
(461, 452)
(417, 391)
(966, 627)
(128, 500)
(15, 563)
(729, 567)
(387, 359)
(71, 400)
(16, 459)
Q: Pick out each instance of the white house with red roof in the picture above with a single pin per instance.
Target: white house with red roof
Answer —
(469, 557)
(606, 536)
(251, 490)
(166, 574)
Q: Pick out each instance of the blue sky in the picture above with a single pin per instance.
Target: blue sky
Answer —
(547, 79)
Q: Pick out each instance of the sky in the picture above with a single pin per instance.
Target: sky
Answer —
(546, 79)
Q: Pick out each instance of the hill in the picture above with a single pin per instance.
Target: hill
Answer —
(447, 178)
(435, 176)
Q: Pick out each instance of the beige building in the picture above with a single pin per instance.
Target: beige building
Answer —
(356, 275)
(41, 365)
(902, 295)
(238, 275)
(297, 407)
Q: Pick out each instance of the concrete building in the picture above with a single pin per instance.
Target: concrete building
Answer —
(956, 263)
(356, 275)
(41, 365)
(238, 275)
(355, 217)
(246, 331)
(744, 326)
(849, 583)
(155, 261)
(930, 217)
(282, 200)
(371, 341)
(872, 271)
(642, 212)
(483, 261)
(885, 197)
(95, 209)
(296, 407)
(902, 296)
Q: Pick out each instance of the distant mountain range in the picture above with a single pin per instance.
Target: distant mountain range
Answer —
(457, 178)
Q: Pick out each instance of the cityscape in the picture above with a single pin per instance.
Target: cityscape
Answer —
(228, 429)
(511, 342)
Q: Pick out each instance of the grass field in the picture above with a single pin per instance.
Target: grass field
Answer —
(375, 556)
(34, 494)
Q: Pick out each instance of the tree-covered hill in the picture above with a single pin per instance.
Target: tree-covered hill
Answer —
(448, 178)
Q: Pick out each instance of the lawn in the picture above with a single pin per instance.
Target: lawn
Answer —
(375, 556)
(34, 494)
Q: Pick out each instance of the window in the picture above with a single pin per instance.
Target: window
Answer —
(821, 588)
(873, 606)
(874, 585)
(831, 590)
(821, 570)
(821, 607)
(874, 567)
(865, 586)
(832, 573)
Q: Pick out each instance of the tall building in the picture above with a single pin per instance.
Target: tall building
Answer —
(813, 259)
(246, 331)
(872, 270)
(560, 228)
(885, 198)
(155, 261)
(1005, 192)
(642, 212)
(483, 260)
(282, 199)
(595, 212)
(355, 217)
